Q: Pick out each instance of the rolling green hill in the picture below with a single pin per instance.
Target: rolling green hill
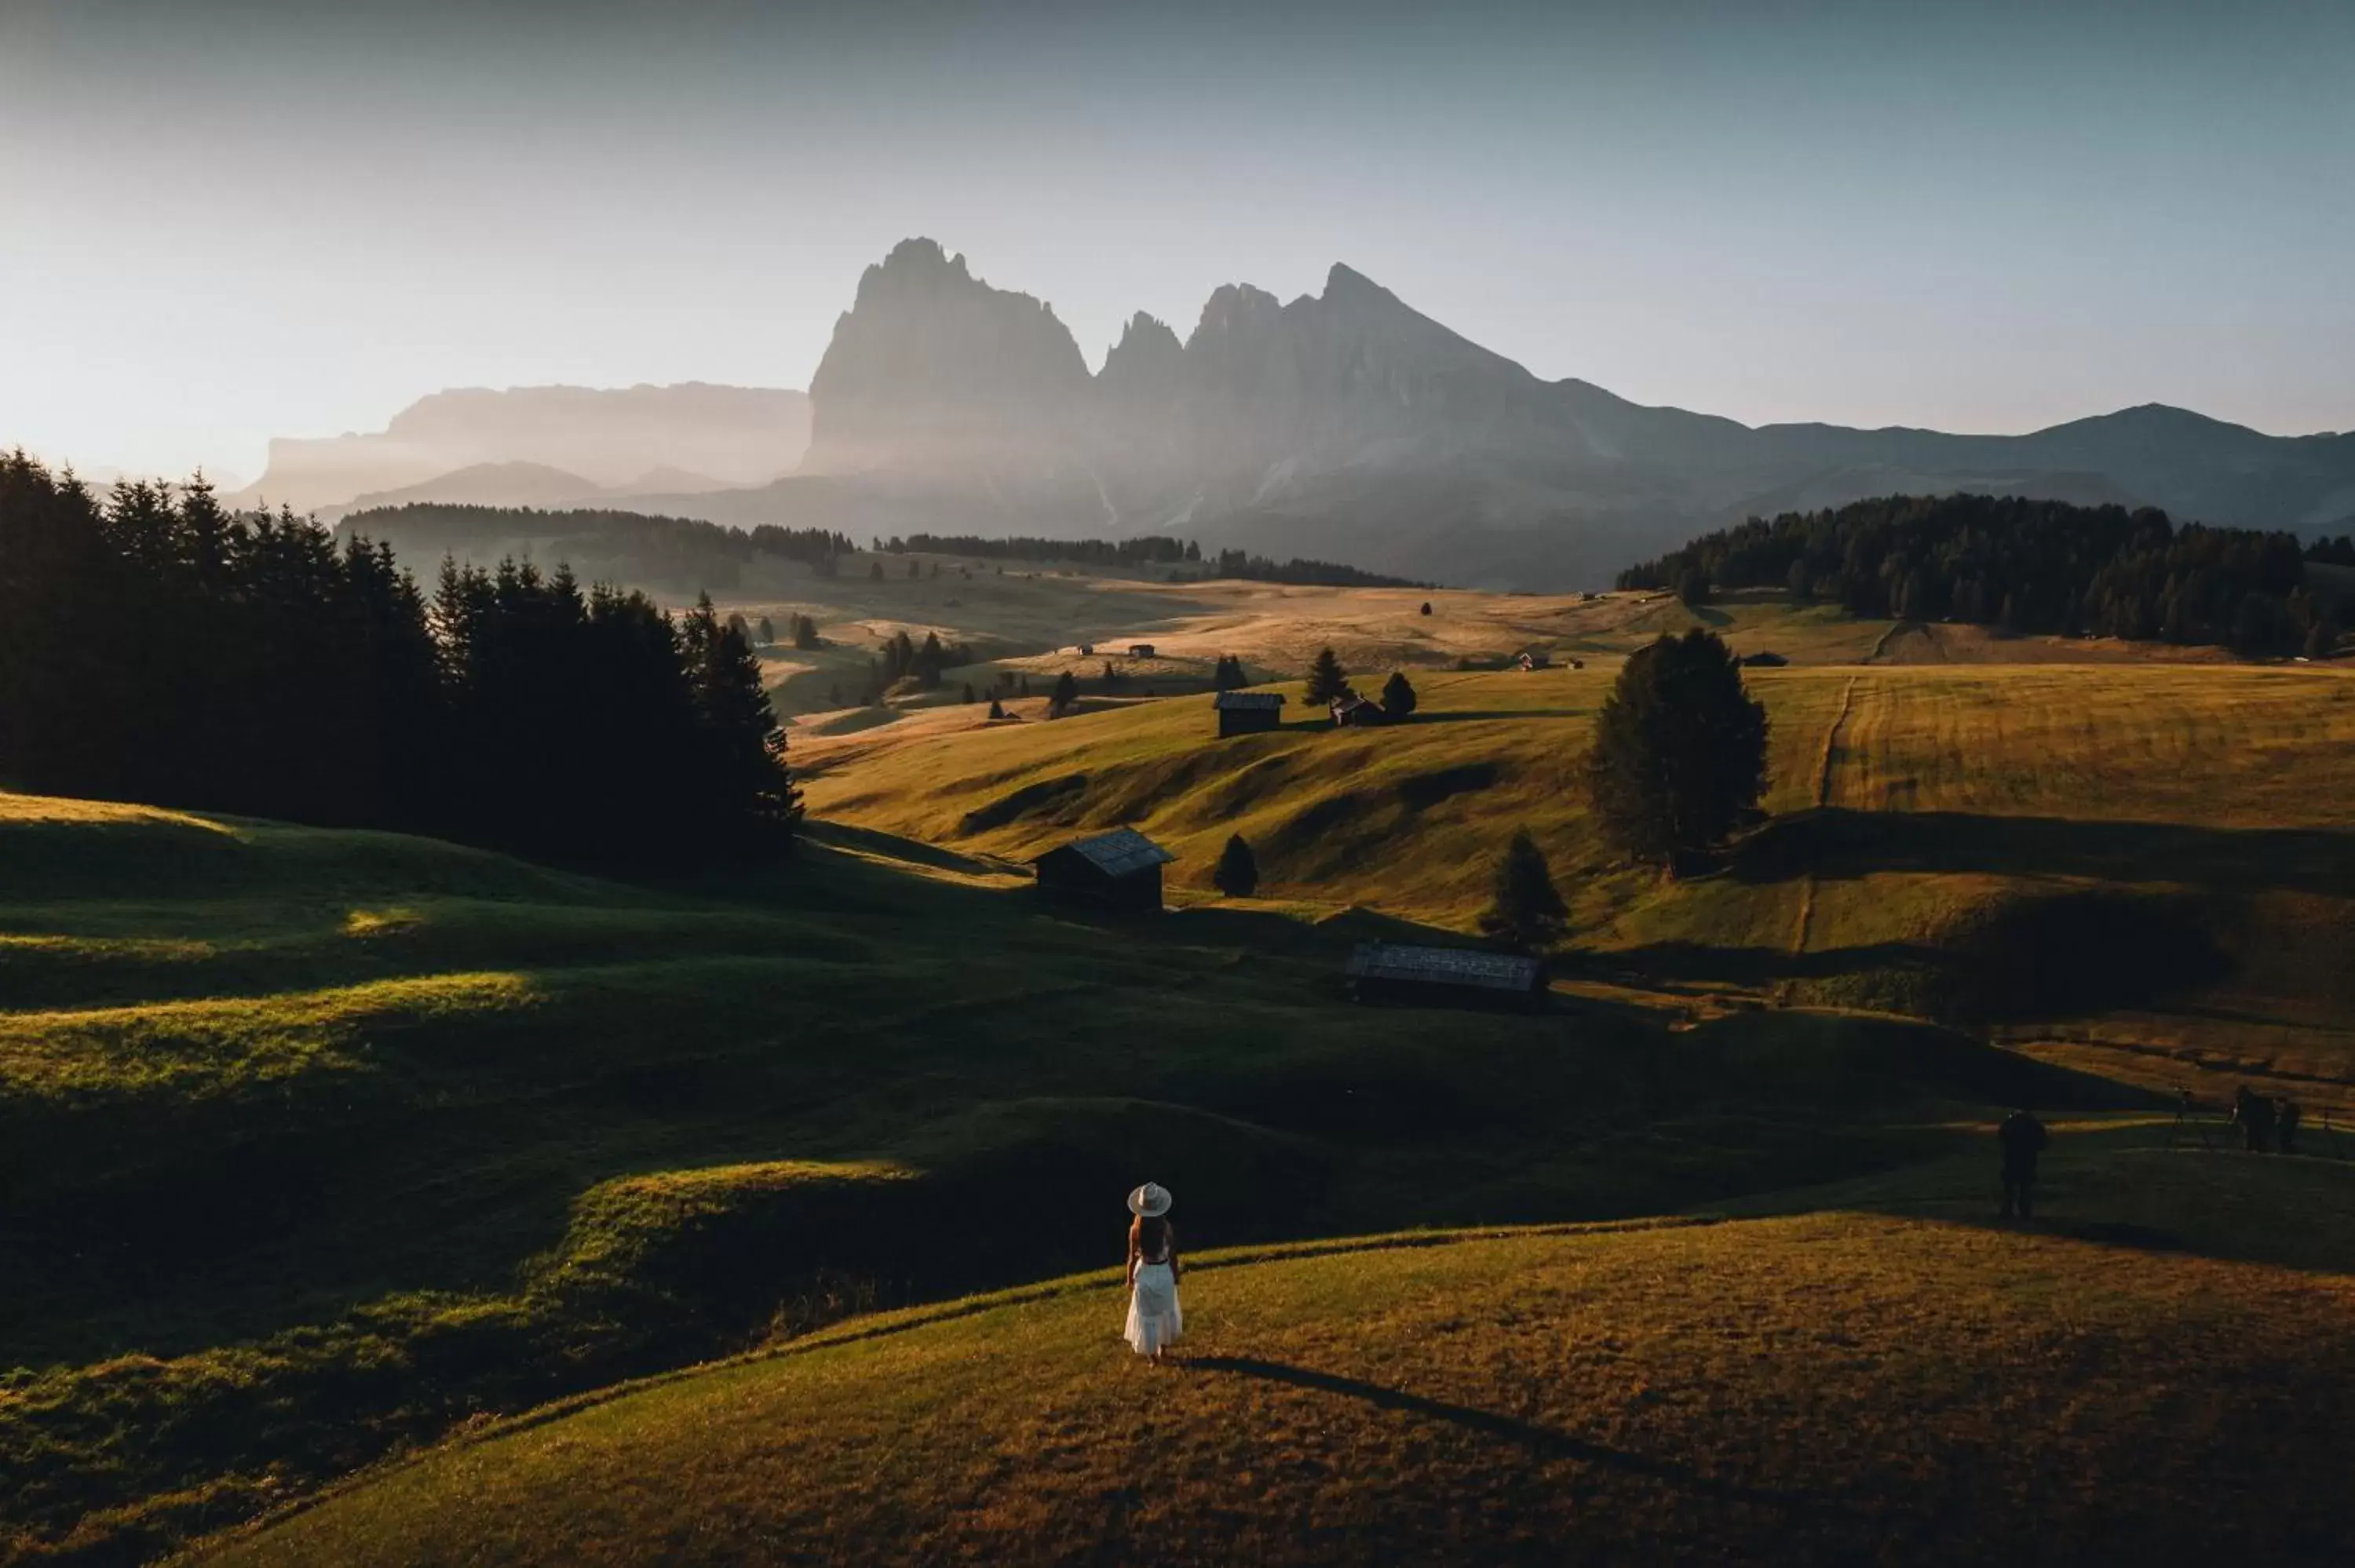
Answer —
(1933, 829)
(1885, 1379)
(315, 1144)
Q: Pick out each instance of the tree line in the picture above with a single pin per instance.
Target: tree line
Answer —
(2025, 565)
(1146, 550)
(156, 647)
(621, 547)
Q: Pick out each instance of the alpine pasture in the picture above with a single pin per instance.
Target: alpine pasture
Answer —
(354, 1166)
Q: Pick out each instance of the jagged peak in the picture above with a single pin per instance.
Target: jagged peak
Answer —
(1345, 280)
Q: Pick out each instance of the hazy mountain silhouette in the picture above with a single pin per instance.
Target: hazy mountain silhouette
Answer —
(1347, 424)
(672, 437)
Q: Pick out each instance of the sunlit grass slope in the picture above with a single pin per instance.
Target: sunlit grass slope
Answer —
(1834, 1386)
(1926, 817)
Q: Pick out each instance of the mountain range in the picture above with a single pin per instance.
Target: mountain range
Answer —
(1343, 425)
(543, 446)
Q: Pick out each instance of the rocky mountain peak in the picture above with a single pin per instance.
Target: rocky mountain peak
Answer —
(931, 365)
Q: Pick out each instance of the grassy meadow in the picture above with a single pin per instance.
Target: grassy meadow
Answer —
(1935, 828)
(1886, 1377)
(320, 1150)
(315, 1145)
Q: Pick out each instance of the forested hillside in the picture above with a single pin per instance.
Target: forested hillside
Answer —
(2025, 565)
(607, 546)
(157, 647)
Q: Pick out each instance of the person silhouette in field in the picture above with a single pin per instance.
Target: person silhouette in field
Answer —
(2023, 1138)
(1154, 1318)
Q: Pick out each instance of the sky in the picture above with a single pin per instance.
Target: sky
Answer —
(230, 220)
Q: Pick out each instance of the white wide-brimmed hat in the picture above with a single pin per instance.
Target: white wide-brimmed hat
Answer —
(1152, 1200)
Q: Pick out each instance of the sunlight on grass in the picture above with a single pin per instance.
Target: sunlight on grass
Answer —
(52, 808)
(224, 1046)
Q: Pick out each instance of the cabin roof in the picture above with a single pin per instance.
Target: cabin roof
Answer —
(1249, 700)
(1117, 853)
(1443, 966)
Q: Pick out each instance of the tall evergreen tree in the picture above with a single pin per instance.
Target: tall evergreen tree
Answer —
(1066, 694)
(1679, 752)
(1237, 872)
(768, 633)
(1398, 695)
(1228, 675)
(1525, 909)
(1327, 679)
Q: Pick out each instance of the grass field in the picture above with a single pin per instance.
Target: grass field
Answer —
(1886, 1378)
(316, 1144)
(1935, 827)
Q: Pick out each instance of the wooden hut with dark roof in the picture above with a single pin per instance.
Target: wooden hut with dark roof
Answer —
(1248, 712)
(1444, 976)
(1118, 870)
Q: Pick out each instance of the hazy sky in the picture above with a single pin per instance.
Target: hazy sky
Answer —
(229, 219)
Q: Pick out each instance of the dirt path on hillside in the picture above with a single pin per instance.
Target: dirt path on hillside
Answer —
(1823, 798)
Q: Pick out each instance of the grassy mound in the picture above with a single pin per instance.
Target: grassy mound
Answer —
(1826, 1387)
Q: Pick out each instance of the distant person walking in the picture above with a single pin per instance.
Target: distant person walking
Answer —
(2023, 1139)
(2254, 1116)
(1154, 1318)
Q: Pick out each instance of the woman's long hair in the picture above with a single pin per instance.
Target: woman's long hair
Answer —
(1148, 1236)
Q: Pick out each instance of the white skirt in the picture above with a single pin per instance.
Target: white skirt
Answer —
(1154, 1318)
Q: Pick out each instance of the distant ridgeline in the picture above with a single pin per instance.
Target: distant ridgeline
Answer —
(599, 546)
(1146, 550)
(2030, 567)
(156, 647)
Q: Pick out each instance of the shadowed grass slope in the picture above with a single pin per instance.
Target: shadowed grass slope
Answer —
(317, 1149)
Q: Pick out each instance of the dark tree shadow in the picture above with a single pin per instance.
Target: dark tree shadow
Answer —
(1833, 841)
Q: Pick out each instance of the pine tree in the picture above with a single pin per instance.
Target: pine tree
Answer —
(1067, 692)
(1025, 684)
(1679, 752)
(926, 663)
(1237, 872)
(1327, 679)
(768, 633)
(1398, 695)
(874, 571)
(968, 692)
(1230, 674)
(995, 711)
(1525, 910)
(805, 635)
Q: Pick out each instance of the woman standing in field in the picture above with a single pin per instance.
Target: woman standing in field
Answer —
(1153, 1320)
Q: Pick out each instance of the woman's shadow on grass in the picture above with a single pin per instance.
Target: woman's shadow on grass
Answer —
(1543, 1441)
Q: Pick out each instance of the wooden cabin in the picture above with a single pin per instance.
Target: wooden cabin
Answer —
(1410, 975)
(1140, 649)
(1248, 712)
(1118, 870)
(1351, 711)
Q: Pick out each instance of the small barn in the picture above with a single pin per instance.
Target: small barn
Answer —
(1351, 711)
(1140, 649)
(1120, 870)
(1248, 712)
(1405, 973)
(1534, 660)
